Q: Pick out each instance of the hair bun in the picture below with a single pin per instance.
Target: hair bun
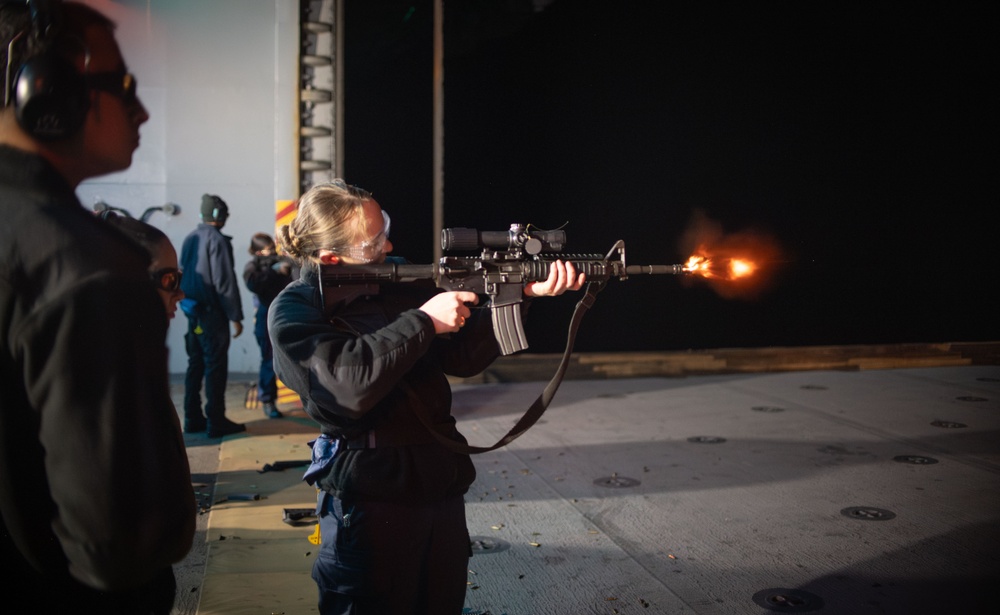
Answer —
(288, 244)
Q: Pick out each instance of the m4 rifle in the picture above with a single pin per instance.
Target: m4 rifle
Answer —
(507, 260)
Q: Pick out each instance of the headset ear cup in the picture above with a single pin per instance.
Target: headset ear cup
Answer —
(51, 98)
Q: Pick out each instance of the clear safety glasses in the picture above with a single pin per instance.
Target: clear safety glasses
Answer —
(369, 250)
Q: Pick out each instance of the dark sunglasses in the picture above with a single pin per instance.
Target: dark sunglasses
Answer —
(168, 279)
(117, 83)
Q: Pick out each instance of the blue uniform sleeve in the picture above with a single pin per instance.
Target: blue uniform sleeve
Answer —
(224, 278)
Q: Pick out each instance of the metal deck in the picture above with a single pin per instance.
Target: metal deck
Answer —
(816, 491)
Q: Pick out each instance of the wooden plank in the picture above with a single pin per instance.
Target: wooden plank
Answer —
(535, 367)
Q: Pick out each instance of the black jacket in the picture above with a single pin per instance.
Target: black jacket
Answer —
(369, 366)
(95, 488)
(263, 280)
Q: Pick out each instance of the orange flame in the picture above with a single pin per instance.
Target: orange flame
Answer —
(737, 265)
(740, 268)
(731, 268)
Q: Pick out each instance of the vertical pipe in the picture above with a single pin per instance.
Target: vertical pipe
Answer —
(338, 88)
(438, 126)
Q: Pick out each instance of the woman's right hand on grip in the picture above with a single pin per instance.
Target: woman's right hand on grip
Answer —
(448, 310)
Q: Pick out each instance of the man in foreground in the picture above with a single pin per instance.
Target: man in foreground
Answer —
(95, 487)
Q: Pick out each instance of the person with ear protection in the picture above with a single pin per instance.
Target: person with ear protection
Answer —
(211, 302)
(95, 488)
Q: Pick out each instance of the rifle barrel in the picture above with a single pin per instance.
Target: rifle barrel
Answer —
(656, 269)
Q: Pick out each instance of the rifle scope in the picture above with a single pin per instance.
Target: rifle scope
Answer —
(518, 237)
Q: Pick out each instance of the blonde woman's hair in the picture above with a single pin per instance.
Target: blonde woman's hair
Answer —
(330, 216)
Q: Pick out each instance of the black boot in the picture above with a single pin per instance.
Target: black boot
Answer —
(271, 411)
(224, 427)
(195, 425)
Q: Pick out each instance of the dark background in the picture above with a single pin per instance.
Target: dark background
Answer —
(859, 144)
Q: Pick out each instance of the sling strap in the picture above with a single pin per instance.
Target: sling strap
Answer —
(533, 413)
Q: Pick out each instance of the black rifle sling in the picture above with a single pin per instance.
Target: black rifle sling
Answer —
(536, 410)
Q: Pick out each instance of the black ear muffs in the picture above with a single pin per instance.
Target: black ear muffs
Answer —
(51, 98)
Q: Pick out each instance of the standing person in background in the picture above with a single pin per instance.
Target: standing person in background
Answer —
(211, 302)
(95, 489)
(266, 275)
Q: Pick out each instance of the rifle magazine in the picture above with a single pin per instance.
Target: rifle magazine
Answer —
(508, 328)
